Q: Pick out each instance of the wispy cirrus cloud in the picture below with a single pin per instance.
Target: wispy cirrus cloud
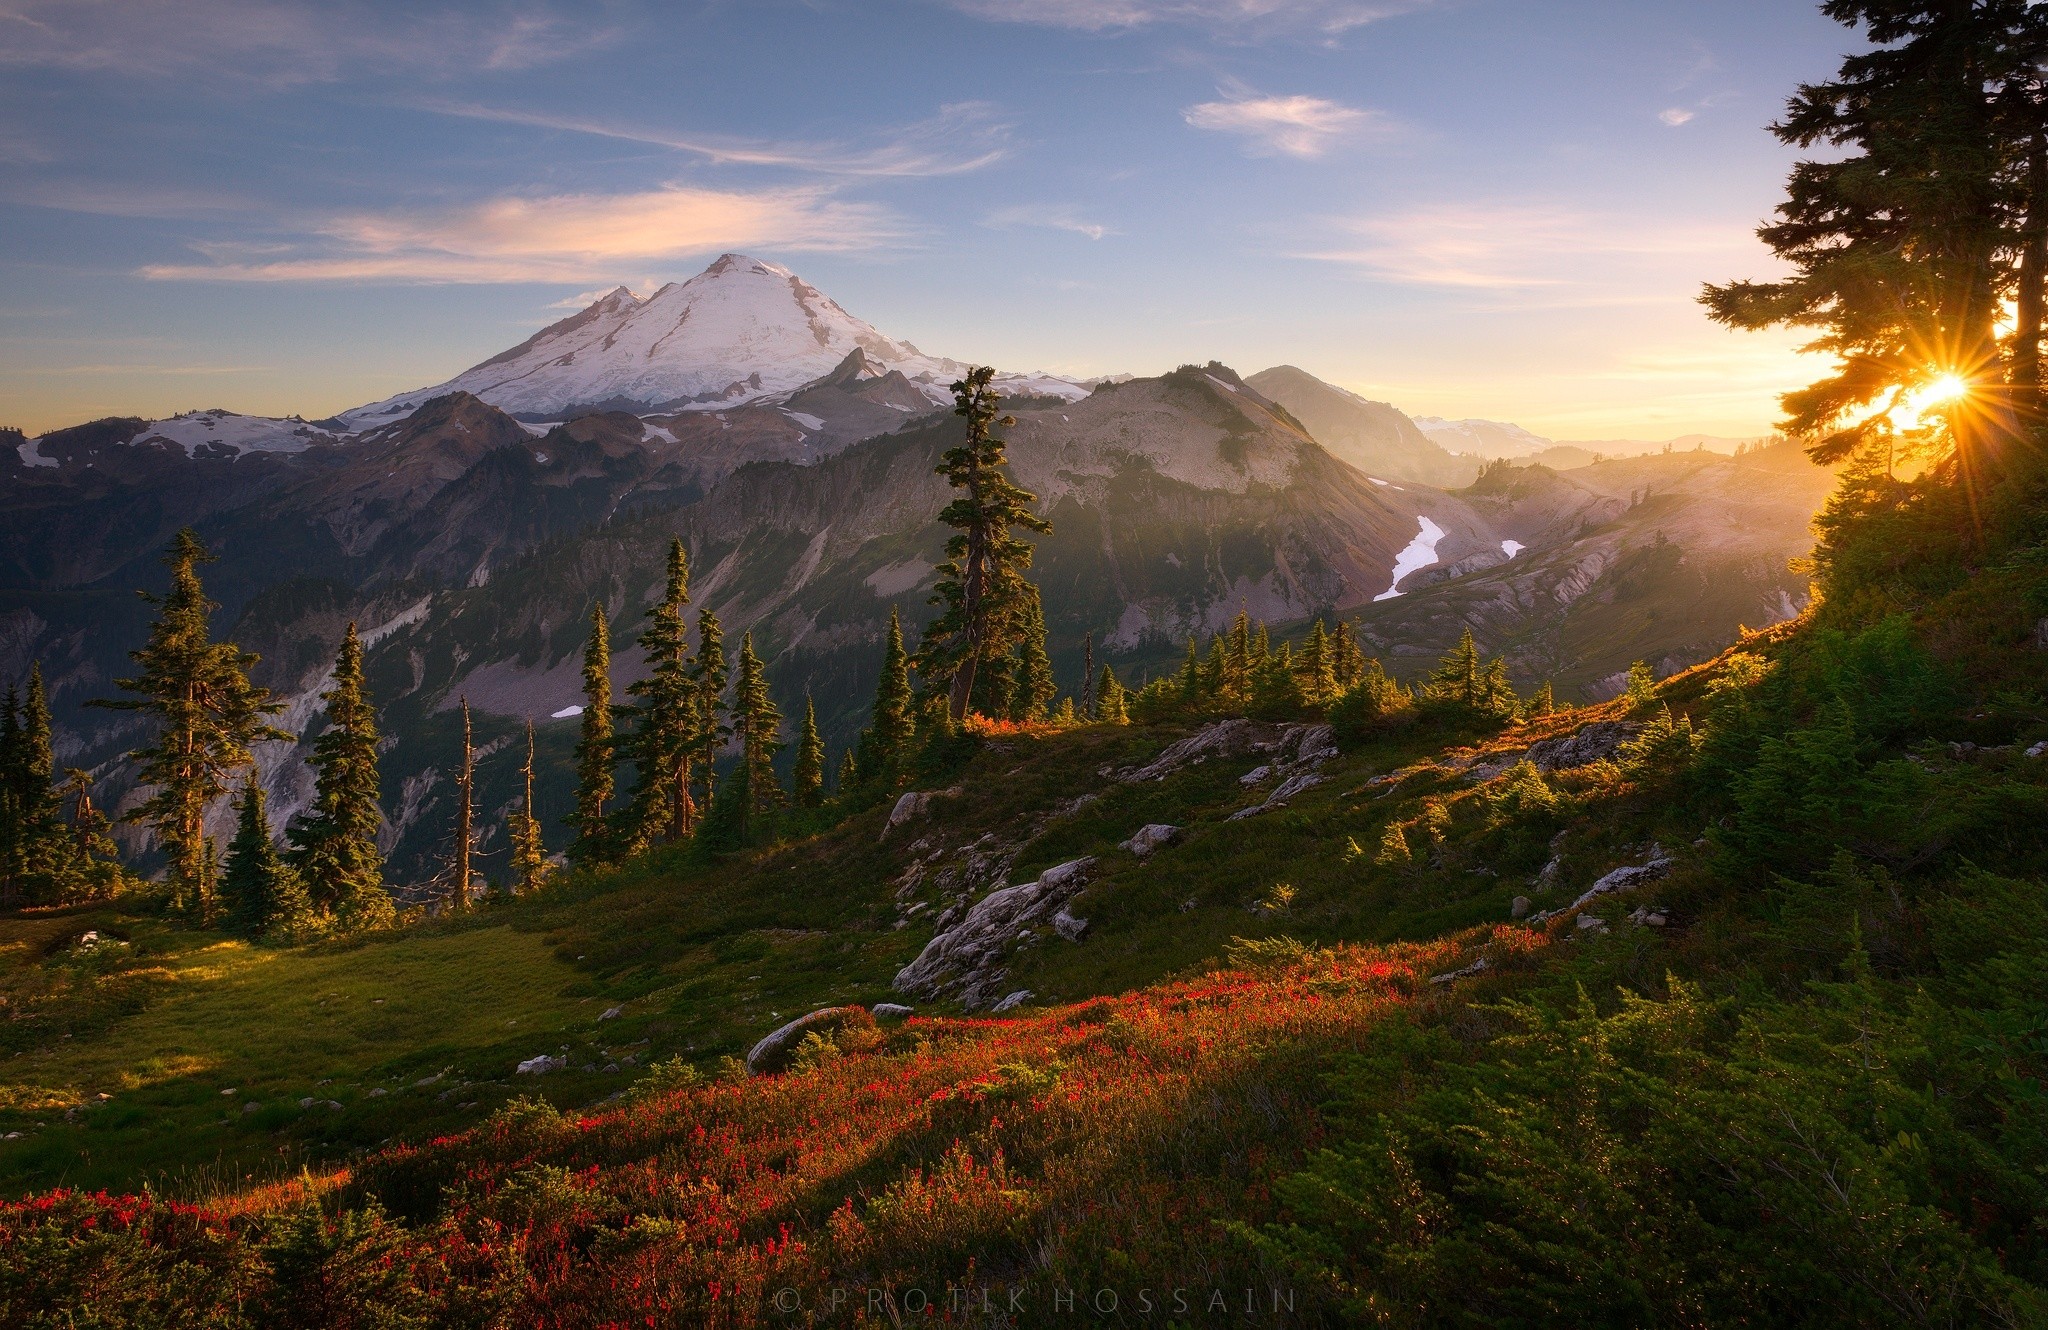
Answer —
(282, 43)
(559, 238)
(1521, 247)
(962, 137)
(1047, 216)
(1290, 126)
(1225, 17)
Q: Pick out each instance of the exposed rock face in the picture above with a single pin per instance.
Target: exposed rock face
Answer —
(1150, 838)
(773, 1052)
(892, 1011)
(1297, 766)
(542, 1065)
(1596, 742)
(1628, 875)
(966, 959)
(1223, 738)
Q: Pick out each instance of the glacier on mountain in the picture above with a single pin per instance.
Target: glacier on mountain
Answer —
(740, 331)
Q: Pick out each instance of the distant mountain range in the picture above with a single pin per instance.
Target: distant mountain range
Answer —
(470, 527)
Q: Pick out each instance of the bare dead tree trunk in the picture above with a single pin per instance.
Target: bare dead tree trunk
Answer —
(458, 897)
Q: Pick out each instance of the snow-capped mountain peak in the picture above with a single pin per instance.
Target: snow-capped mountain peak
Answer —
(740, 331)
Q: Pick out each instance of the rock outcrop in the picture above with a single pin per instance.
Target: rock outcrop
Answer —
(966, 959)
(773, 1052)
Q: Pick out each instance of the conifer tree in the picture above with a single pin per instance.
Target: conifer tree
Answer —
(1459, 676)
(1641, 693)
(1237, 674)
(1315, 670)
(95, 862)
(39, 850)
(1902, 240)
(807, 780)
(465, 810)
(1215, 674)
(663, 744)
(1542, 703)
(757, 724)
(849, 769)
(1111, 700)
(10, 785)
(334, 847)
(1087, 698)
(595, 748)
(1393, 846)
(260, 892)
(708, 673)
(1276, 692)
(1189, 681)
(1034, 689)
(529, 855)
(1496, 693)
(207, 715)
(982, 584)
(1348, 662)
(894, 725)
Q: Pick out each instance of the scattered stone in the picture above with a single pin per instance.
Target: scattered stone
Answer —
(251, 1107)
(1254, 776)
(1302, 750)
(308, 1102)
(611, 1068)
(1476, 967)
(1648, 916)
(891, 1011)
(1013, 1001)
(1592, 923)
(539, 1066)
(1069, 927)
(11, 1136)
(1588, 744)
(612, 1013)
(380, 1091)
(967, 957)
(2041, 635)
(773, 1052)
(913, 804)
(1152, 837)
(2039, 749)
(1628, 875)
(429, 1080)
(1223, 738)
(1520, 907)
(230, 1090)
(1187, 906)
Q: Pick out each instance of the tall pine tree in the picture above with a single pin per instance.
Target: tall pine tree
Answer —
(260, 892)
(807, 780)
(663, 743)
(892, 733)
(1031, 699)
(596, 751)
(529, 856)
(757, 724)
(334, 846)
(708, 673)
(207, 714)
(981, 589)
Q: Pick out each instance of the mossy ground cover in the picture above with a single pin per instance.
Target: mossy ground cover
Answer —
(702, 955)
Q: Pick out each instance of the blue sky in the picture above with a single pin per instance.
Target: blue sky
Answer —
(1500, 208)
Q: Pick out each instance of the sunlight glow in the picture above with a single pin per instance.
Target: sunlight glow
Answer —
(1941, 391)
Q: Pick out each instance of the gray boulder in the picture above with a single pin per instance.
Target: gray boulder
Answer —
(967, 957)
(891, 1011)
(1013, 1001)
(1069, 927)
(1149, 838)
(541, 1065)
(772, 1053)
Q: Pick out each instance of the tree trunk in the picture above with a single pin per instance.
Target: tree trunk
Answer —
(972, 578)
(459, 897)
(2026, 336)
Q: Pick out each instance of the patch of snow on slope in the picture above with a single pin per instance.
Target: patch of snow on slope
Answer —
(225, 429)
(32, 455)
(1512, 547)
(811, 423)
(566, 712)
(1420, 554)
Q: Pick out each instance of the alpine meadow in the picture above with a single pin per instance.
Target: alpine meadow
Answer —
(716, 816)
